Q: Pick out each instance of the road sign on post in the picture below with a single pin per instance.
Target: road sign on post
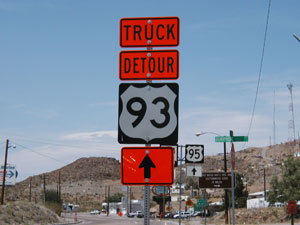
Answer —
(161, 190)
(231, 139)
(147, 166)
(10, 176)
(222, 139)
(194, 171)
(215, 180)
(202, 203)
(148, 113)
(194, 153)
(149, 32)
(292, 207)
(145, 65)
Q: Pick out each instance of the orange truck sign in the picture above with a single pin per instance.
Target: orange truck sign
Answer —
(149, 32)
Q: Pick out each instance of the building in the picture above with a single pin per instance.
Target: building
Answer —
(257, 200)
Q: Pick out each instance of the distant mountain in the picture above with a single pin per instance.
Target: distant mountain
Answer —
(86, 180)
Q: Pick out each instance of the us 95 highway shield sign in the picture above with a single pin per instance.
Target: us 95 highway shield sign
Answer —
(148, 113)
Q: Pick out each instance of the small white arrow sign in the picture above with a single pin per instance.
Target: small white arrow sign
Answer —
(194, 171)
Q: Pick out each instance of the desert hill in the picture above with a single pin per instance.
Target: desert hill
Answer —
(85, 180)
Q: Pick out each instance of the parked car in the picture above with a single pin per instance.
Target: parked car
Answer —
(138, 214)
(170, 215)
(196, 214)
(202, 213)
(95, 212)
(130, 215)
(183, 215)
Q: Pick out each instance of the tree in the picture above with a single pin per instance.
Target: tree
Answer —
(288, 187)
(240, 195)
(191, 183)
(116, 197)
(52, 196)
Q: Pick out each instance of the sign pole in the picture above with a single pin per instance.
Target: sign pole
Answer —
(147, 202)
(127, 212)
(180, 181)
(226, 193)
(147, 188)
(232, 179)
(4, 173)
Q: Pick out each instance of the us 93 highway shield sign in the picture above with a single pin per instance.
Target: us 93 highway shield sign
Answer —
(148, 113)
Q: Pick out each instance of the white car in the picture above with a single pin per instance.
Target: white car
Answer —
(182, 215)
(95, 212)
(136, 214)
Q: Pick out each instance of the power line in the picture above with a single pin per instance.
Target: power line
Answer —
(53, 143)
(38, 153)
(260, 69)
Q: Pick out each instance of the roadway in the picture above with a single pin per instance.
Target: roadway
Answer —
(86, 218)
(112, 219)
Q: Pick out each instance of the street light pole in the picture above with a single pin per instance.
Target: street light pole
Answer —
(225, 190)
(4, 173)
(225, 170)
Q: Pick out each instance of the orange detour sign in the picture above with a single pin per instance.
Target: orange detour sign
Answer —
(149, 65)
(147, 166)
(149, 32)
(189, 202)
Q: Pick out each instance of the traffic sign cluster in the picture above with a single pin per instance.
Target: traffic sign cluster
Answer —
(148, 112)
(194, 154)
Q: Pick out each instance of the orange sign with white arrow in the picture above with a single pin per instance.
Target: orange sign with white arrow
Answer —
(147, 166)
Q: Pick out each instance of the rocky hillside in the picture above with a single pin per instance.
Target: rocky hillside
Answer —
(85, 180)
(26, 213)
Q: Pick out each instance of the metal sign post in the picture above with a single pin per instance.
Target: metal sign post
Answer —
(146, 205)
(180, 181)
(140, 112)
(232, 180)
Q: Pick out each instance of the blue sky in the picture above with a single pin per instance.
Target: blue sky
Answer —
(59, 74)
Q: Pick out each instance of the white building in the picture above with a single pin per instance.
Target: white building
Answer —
(257, 200)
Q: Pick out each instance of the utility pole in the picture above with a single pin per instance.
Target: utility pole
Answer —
(4, 173)
(44, 189)
(30, 181)
(108, 195)
(59, 186)
(57, 192)
(265, 192)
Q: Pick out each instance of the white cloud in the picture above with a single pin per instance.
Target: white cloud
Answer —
(84, 136)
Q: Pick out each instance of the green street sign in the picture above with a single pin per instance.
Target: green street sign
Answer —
(222, 139)
(228, 139)
(240, 138)
(197, 208)
(202, 202)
